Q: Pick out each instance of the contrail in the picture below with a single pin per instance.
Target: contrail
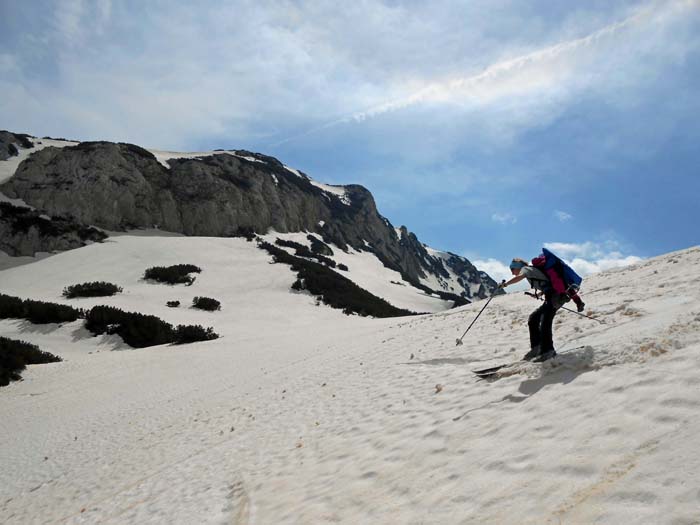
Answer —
(499, 69)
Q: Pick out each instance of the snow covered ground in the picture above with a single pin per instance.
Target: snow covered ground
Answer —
(300, 414)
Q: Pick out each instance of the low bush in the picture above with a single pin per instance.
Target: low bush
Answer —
(176, 274)
(319, 247)
(16, 355)
(343, 267)
(11, 307)
(173, 304)
(139, 330)
(302, 251)
(206, 303)
(332, 288)
(192, 333)
(136, 329)
(37, 312)
(93, 289)
(245, 232)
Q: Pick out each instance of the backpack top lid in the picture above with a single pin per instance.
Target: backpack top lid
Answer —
(549, 260)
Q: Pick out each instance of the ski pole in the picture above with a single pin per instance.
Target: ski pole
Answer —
(569, 309)
(459, 341)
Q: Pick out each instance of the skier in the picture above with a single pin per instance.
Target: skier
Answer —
(540, 321)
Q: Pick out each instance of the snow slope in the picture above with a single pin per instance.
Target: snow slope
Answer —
(365, 270)
(300, 414)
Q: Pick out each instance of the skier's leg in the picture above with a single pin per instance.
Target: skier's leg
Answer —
(546, 319)
(533, 325)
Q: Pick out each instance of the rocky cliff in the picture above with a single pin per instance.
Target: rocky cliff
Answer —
(222, 193)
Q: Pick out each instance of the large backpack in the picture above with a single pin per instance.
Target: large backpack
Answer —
(562, 278)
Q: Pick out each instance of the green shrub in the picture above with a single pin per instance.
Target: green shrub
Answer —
(173, 304)
(319, 247)
(176, 274)
(332, 288)
(192, 333)
(16, 355)
(302, 251)
(137, 330)
(11, 307)
(37, 312)
(206, 303)
(93, 289)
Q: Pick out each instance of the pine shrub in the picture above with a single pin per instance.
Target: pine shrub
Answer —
(332, 288)
(176, 274)
(93, 289)
(37, 312)
(206, 303)
(16, 355)
(139, 330)
(136, 329)
(192, 333)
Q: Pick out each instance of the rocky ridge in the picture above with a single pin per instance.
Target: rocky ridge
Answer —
(118, 186)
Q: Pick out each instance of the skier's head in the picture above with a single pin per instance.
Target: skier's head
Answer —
(516, 265)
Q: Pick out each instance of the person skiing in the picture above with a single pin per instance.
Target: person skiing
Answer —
(540, 321)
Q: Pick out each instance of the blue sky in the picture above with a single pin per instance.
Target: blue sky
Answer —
(488, 127)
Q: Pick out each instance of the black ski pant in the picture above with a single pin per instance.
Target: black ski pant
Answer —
(540, 325)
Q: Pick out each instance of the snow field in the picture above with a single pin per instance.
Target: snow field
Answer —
(300, 414)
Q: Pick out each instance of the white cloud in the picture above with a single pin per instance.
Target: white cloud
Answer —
(504, 218)
(563, 216)
(495, 268)
(585, 258)
(592, 257)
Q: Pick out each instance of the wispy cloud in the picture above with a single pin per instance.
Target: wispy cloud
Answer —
(504, 218)
(554, 69)
(562, 216)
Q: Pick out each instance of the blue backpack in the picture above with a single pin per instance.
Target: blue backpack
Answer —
(562, 277)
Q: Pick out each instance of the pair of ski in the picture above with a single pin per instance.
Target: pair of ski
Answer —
(492, 371)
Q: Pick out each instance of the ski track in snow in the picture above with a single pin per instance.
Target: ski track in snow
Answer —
(300, 414)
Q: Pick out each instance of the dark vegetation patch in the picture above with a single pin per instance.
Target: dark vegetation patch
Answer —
(192, 333)
(245, 231)
(140, 330)
(206, 303)
(333, 289)
(136, 329)
(173, 304)
(22, 219)
(16, 355)
(303, 251)
(37, 312)
(458, 300)
(319, 247)
(176, 274)
(93, 289)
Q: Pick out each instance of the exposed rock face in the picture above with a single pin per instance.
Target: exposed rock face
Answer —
(120, 186)
(25, 232)
(9, 143)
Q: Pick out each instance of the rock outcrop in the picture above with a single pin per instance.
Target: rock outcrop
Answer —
(25, 232)
(122, 186)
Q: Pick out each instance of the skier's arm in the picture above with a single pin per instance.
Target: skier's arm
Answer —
(514, 280)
